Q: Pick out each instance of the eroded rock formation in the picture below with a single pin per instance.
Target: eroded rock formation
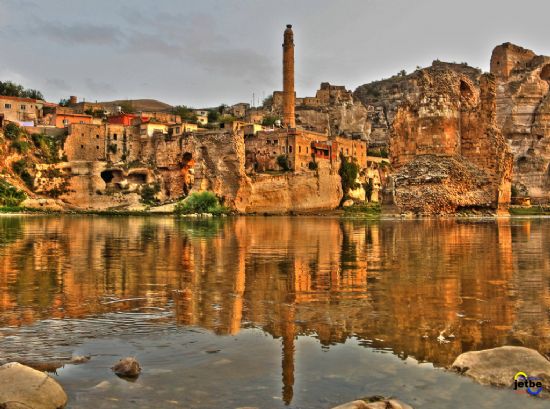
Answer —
(523, 114)
(445, 148)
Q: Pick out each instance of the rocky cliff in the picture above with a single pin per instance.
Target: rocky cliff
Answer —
(523, 114)
(345, 118)
(445, 148)
(384, 97)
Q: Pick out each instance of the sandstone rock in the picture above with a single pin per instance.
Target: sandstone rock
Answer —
(374, 402)
(432, 184)
(127, 368)
(24, 387)
(498, 366)
(523, 114)
(347, 203)
(80, 359)
(44, 204)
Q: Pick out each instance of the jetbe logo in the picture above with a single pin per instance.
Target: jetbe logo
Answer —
(527, 384)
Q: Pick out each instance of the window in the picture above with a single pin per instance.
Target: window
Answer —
(97, 136)
(81, 122)
(23, 107)
(81, 146)
(82, 134)
(299, 149)
(7, 106)
(307, 149)
(290, 149)
(347, 151)
(97, 147)
(115, 136)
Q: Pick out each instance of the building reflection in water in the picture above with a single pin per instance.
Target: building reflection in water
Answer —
(428, 289)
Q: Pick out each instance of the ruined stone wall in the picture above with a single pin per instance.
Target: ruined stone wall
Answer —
(86, 142)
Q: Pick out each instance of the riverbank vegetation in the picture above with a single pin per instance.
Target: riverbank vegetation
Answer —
(370, 210)
(201, 202)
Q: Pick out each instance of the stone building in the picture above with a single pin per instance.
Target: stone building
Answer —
(17, 109)
(303, 150)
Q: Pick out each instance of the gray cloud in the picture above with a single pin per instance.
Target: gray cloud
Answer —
(208, 52)
(81, 33)
(99, 87)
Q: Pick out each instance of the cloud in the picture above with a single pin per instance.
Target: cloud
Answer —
(58, 83)
(99, 87)
(81, 33)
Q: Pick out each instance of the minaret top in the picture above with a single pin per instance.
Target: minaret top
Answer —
(289, 35)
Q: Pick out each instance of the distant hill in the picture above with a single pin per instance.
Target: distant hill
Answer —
(139, 105)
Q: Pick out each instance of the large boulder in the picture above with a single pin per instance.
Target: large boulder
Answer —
(374, 402)
(498, 366)
(22, 387)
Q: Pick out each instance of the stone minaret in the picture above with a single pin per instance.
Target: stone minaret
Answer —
(289, 97)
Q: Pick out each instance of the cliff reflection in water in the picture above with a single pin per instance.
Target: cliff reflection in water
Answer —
(391, 284)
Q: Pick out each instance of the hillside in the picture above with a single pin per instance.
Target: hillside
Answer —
(139, 104)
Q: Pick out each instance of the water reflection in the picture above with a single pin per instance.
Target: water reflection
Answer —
(428, 289)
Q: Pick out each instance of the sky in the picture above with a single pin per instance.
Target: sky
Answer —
(203, 53)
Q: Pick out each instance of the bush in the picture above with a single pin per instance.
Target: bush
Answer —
(49, 146)
(312, 165)
(148, 193)
(9, 195)
(20, 167)
(200, 202)
(282, 161)
(12, 131)
(20, 146)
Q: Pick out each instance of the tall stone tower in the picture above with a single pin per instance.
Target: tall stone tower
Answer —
(289, 97)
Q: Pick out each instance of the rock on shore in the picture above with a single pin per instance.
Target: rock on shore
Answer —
(498, 366)
(24, 387)
(374, 402)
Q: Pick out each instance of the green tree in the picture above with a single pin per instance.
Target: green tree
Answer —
(11, 89)
(268, 101)
(213, 115)
(269, 120)
(282, 161)
(349, 170)
(33, 93)
(187, 114)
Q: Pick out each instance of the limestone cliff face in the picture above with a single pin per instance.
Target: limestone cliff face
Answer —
(212, 161)
(384, 97)
(291, 192)
(452, 121)
(523, 115)
(345, 118)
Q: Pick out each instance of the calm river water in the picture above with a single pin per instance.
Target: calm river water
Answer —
(272, 312)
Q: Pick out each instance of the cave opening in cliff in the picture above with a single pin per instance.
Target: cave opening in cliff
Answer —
(139, 178)
(186, 158)
(111, 175)
(466, 91)
(545, 73)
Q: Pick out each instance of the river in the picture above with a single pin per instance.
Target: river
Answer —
(272, 312)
